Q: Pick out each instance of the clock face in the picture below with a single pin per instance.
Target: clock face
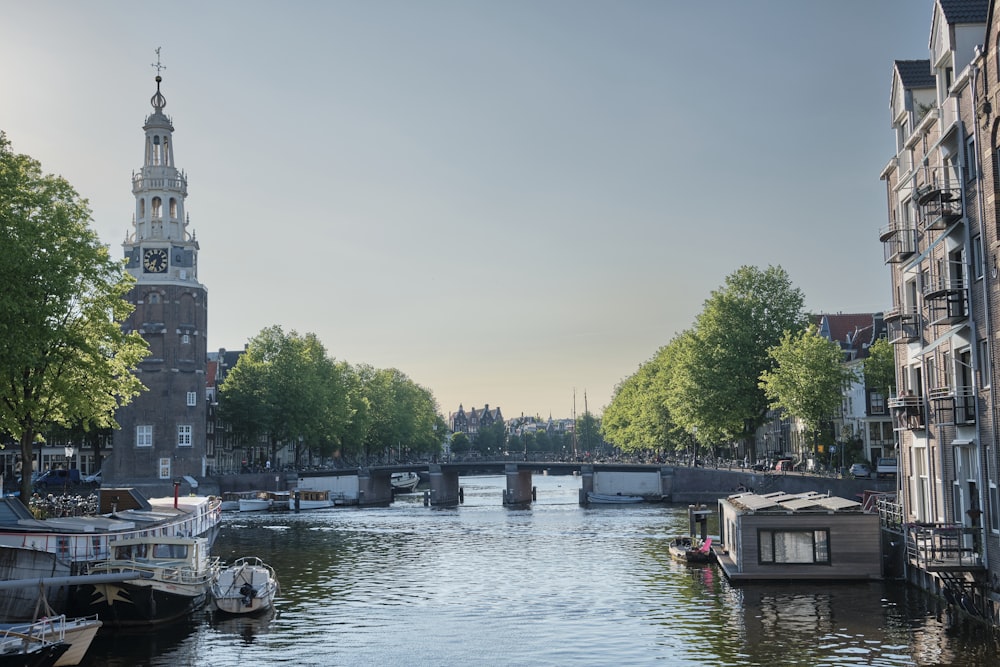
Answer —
(154, 260)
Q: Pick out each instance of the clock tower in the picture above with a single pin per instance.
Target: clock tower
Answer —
(163, 431)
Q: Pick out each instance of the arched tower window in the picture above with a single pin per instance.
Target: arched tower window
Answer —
(173, 208)
(157, 150)
(156, 207)
(142, 208)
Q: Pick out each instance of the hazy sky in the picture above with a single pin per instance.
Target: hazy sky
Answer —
(506, 201)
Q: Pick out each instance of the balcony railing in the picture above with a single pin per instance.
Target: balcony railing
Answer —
(943, 546)
(899, 245)
(940, 207)
(908, 412)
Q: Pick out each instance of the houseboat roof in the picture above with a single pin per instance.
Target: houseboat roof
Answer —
(780, 502)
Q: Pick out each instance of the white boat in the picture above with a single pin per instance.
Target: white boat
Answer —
(177, 574)
(256, 501)
(248, 586)
(231, 499)
(313, 499)
(76, 633)
(86, 539)
(612, 499)
(404, 482)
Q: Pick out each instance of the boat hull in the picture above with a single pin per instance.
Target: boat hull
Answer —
(130, 604)
(245, 588)
(613, 499)
(76, 633)
(684, 550)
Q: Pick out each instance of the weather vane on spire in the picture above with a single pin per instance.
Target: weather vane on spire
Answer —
(157, 64)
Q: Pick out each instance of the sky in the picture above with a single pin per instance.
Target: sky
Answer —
(514, 203)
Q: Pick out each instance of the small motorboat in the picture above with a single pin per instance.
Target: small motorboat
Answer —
(690, 550)
(248, 586)
(612, 499)
(404, 482)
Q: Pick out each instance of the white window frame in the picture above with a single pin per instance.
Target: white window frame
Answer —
(184, 435)
(144, 435)
(192, 399)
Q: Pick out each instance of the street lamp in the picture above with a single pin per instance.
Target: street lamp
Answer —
(69, 451)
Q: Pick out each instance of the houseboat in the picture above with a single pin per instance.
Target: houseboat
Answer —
(804, 536)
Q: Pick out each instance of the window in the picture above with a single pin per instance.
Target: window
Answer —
(970, 158)
(183, 435)
(984, 363)
(192, 398)
(978, 265)
(185, 339)
(794, 546)
(144, 435)
(878, 403)
(994, 508)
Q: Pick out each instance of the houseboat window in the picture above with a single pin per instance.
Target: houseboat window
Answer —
(170, 551)
(794, 546)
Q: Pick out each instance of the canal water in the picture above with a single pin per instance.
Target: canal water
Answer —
(553, 584)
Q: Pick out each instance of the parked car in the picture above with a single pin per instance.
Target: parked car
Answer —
(886, 467)
(57, 478)
(861, 471)
(95, 478)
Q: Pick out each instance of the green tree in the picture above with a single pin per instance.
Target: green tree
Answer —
(64, 358)
(715, 387)
(460, 443)
(638, 419)
(880, 367)
(284, 387)
(808, 378)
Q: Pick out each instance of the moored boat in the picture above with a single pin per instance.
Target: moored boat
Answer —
(612, 499)
(689, 550)
(76, 633)
(404, 482)
(256, 501)
(248, 586)
(231, 499)
(314, 499)
(177, 575)
(87, 539)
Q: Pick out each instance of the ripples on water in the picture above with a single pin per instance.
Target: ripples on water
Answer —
(554, 584)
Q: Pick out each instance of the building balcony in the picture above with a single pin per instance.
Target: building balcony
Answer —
(902, 326)
(953, 405)
(940, 207)
(908, 413)
(947, 302)
(944, 547)
(900, 245)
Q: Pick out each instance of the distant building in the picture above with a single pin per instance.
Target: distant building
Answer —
(470, 422)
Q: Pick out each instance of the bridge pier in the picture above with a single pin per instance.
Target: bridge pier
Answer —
(445, 490)
(587, 482)
(374, 488)
(518, 490)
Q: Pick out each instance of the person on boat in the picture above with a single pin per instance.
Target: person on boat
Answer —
(249, 593)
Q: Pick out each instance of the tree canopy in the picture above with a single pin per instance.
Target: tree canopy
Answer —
(64, 358)
(880, 367)
(808, 378)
